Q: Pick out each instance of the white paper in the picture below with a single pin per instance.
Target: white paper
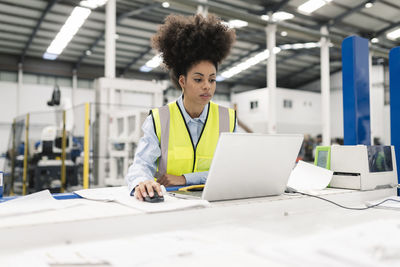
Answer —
(103, 194)
(122, 196)
(308, 177)
(36, 202)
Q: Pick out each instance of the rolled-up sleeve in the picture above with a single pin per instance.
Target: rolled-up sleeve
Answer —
(145, 161)
(196, 178)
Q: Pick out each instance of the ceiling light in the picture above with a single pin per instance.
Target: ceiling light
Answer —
(152, 63)
(368, 5)
(283, 33)
(92, 4)
(88, 52)
(278, 16)
(393, 35)
(236, 23)
(165, 5)
(286, 46)
(145, 69)
(68, 30)
(49, 56)
(300, 46)
(246, 64)
(281, 15)
(374, 40)
(312, 5)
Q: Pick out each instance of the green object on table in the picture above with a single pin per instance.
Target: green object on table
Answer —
(323, 157)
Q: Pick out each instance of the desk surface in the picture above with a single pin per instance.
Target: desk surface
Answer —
(237, 232)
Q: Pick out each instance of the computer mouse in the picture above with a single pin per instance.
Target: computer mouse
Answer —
(155, 199)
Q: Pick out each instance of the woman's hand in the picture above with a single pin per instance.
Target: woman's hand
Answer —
(147, 188)
(171, 180)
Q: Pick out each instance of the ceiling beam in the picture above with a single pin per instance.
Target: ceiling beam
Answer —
(119, 19)
(279, 5)
(339, 18)
(382, 31)
(136, 59)
(333, 71)
(35, 30)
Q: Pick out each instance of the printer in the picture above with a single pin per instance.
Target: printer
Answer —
(363, 167)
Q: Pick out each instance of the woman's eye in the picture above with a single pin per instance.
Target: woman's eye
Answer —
(212, 80)
(197, 80)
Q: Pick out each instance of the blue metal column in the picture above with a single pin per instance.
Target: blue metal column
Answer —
(394, 68)
(356, 110)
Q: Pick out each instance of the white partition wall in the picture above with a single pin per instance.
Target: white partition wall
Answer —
(297, 111)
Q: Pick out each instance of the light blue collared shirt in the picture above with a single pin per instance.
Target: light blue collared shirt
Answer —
(148, 150)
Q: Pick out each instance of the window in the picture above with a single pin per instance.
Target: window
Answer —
(253, 105)
(287, 103)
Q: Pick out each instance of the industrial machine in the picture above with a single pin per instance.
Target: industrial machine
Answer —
(360, 167)
(46, 162)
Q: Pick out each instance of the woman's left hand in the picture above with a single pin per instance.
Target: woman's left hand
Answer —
(171, 180)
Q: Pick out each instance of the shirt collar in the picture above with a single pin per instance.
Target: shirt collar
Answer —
(202, 117)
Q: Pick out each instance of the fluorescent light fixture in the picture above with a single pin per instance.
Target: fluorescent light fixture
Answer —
(312, 5)
(246, 64)
(49, 56)
(165, 5)
(299, 46)
(278, 16)
(92, 4)
(368, 5)
(236, 23)
(219, 78)
(374, 40)
(88, 52)
(261, 57)
(283, 33)
(144, 68)
(152, 63)
(393, 35)
(68, 30)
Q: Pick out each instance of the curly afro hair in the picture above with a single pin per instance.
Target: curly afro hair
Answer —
(184, 41)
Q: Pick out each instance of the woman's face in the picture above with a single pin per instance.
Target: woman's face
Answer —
(199, 84)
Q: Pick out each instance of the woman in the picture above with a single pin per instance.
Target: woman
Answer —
(180, 138)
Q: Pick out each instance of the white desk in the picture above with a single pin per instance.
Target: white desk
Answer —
(236, 232)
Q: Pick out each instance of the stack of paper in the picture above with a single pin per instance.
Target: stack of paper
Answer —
(121, 195)
(36, 202)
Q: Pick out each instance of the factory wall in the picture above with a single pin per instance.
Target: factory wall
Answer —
(298, 111)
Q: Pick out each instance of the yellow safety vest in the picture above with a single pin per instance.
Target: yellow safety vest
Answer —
(178, 153)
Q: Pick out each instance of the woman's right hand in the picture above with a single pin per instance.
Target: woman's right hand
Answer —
(147, 188)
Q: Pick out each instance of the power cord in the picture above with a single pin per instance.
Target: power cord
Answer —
(292, 190)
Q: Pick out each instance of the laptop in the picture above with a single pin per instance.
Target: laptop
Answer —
(250, 165)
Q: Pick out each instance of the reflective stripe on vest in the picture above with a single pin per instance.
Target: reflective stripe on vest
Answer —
(178, 153)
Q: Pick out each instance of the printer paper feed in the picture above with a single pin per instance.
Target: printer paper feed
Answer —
(306, 176)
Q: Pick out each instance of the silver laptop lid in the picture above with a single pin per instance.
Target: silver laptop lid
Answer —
(251, 165)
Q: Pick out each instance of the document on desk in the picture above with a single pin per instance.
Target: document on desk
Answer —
(122, 196)
(36, 202)
(308, 177)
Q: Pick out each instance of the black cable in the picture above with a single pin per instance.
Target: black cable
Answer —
(349, 208)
